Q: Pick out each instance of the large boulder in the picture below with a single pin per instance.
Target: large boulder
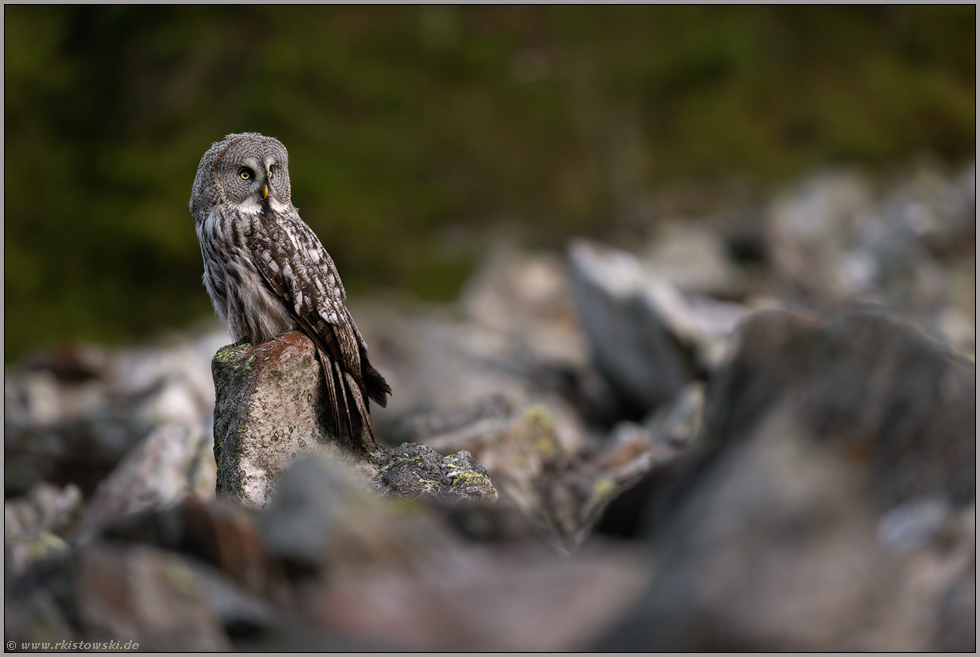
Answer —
(829, 505)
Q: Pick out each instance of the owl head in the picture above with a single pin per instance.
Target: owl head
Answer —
(247, 171)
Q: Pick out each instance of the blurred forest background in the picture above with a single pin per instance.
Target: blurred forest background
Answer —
(416, 134)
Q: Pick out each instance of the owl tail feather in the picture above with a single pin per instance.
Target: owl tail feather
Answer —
(374, 384)
(328, 376)
(346, 424)
(362, 409)
(348, 411)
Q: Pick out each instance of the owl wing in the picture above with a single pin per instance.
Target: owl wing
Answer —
(299, 271)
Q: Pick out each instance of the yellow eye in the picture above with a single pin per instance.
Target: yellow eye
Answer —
(245, 175)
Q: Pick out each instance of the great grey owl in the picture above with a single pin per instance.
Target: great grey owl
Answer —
(268, 274)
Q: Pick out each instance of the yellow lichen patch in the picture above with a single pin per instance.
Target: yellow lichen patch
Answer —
(474, 481)
(604, 488)
(546, 446)
(537, 416)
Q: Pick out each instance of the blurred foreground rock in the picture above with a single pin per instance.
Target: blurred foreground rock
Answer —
(830, 505)
(270, 408)
(325, 566)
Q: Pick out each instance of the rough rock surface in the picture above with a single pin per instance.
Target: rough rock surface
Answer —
(270, 409)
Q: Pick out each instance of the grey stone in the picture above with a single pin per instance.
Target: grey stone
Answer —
(869, 384)
(171, 463)
(631, 343)
(648, 339)
(312, 499)
(70, 415)
(45, 508)
(680, 421)
(270, 411)
(472, 600)
(324, 518)
(833, 238)
(914, 523)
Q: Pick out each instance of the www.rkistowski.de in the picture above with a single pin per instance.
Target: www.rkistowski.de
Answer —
(75, 645)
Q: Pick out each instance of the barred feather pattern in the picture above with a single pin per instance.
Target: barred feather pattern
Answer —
(267, 274)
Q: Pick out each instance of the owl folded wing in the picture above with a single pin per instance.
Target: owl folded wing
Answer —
(300, 271)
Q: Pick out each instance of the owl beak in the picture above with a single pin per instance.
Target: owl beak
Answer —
(265, 192)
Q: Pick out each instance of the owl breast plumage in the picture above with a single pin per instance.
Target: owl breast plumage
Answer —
(267, 272)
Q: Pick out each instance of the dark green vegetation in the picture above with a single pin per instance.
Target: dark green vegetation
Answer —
(413, 130)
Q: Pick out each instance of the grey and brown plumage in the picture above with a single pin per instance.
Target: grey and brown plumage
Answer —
(268, 274)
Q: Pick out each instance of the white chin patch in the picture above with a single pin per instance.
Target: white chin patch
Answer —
(252, 205)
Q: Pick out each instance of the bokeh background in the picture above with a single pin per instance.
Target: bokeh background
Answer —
(417, 135)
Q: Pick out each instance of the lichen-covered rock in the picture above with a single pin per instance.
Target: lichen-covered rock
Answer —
(531, 467)
(270, 410)
(418, 470)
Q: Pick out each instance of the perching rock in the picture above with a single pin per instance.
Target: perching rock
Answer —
(270, 410)
(267, 411)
